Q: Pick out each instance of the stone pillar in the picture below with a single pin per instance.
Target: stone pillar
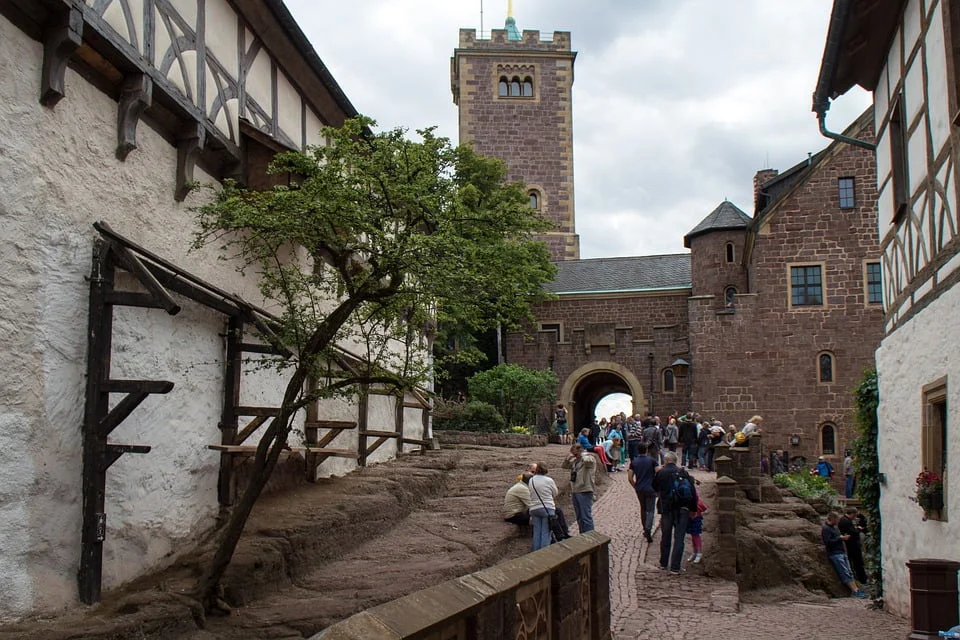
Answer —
(726, 565)
(723, 464)
(746, 470)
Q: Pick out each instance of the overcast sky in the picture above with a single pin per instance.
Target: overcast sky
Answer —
(677, 103)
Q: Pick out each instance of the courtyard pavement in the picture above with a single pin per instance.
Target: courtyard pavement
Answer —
(649, 603)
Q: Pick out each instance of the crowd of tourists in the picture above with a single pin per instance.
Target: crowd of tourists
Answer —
(622, 438)
(657, 456)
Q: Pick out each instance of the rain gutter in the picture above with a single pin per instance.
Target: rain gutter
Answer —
(828, 69)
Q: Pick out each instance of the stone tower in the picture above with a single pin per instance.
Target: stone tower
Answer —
(514, 93)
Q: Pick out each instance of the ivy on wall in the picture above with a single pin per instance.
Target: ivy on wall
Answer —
(866, 468)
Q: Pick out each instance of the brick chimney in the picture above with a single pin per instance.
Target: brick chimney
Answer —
(759, 179)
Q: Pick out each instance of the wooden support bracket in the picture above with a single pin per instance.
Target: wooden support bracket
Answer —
(126, 406)
(60, 39)
(145, 277)
(114, 451)
(248, 430)
(189, 145)
(135, 97)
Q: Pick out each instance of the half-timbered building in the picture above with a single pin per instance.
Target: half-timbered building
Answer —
(907, 52)
(130, 401)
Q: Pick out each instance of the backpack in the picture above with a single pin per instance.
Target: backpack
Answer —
(681, 491)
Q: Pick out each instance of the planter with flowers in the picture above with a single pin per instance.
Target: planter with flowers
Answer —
(929, 493)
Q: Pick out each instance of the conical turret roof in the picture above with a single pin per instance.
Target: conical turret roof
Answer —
(727, 216)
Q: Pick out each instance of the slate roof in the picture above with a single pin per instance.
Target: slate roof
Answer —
(726, 216)
(612, 275)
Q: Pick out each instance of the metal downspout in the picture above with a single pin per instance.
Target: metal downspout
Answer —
(821, 96)
(822, 119)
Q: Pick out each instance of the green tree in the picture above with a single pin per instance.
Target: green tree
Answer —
(382, 237)
(515, 391)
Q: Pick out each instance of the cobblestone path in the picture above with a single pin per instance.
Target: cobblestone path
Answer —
(649, 603)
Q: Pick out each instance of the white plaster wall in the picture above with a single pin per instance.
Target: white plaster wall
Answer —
(58, 174)
(381, 416)
(918, 353)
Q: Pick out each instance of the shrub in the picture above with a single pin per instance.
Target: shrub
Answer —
(519, 429)
(516, 392)
(470, 416)
(806, 486)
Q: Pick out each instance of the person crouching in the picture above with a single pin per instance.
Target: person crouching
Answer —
(516, 504)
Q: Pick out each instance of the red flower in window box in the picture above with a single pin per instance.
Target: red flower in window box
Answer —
(929, 492)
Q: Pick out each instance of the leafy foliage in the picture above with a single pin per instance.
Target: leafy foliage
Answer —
(383, 238)
(516, 391)
(807, 486)
(866, 465)
(471, 416)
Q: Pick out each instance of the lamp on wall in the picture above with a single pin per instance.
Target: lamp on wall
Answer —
(680, 368)
(795, 440)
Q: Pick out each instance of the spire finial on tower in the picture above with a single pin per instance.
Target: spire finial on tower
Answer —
(511, 25)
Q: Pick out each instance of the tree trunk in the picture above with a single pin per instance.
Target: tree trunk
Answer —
(272, 443)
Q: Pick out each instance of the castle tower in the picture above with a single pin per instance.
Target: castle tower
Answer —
(514, 94)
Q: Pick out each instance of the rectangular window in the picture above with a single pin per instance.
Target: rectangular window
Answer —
(552, 326)
(848, 198)
(806, 286)
(874, 283)
(934, 436)
(898, 160)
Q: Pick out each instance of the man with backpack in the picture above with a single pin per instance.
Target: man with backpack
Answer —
(678, 496)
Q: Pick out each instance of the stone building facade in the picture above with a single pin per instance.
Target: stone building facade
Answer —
(515, 94)
(718, 330)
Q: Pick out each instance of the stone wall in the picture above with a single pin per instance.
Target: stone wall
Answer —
(508, 440)
(533, 135)
(762, 356)
(639, 325)
(562, 591)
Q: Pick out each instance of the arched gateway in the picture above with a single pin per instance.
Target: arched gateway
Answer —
(590, 383)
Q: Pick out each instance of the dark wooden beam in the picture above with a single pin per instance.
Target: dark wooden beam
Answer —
(262, 348)
(132, 299)
(248, 430)
(144, 276)
(114, 451)
(362, 419)
(229, 422)
(125, 407)
(380, 434)
(93, 479)
(61, 37)
(376, 445)
(137, 386)
(268, 412)
(135, 97)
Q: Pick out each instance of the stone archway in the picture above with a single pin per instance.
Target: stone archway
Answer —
(586, 386)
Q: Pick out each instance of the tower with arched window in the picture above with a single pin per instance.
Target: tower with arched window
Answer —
(514, 93)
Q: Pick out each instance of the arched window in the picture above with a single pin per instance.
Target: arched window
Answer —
(729, 297)
(515, 87)
(825, 367)
(528, 87)
(668, 381)
(502, 88)
(828, 439)
(729, 252)
(534, 199)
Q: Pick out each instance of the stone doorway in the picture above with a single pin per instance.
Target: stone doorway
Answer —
(589, 384)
